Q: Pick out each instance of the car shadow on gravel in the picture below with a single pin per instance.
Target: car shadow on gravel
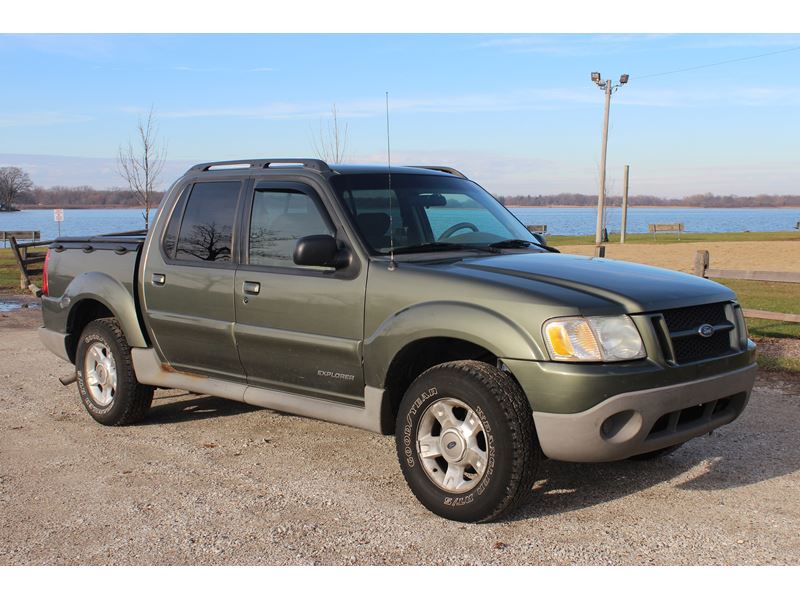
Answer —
(564, 487)
(193, 408)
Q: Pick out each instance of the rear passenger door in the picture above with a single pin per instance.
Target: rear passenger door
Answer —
(188, 282)
(298, 329)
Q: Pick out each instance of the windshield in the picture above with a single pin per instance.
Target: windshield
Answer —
(426, 212)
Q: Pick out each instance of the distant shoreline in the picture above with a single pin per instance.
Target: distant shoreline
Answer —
(123, 206)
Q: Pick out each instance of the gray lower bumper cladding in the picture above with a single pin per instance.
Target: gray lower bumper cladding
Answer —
(646, 420)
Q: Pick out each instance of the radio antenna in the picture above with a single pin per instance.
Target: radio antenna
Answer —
(392, 264)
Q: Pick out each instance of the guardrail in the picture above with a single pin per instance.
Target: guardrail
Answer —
(701, 269)
(30, 234)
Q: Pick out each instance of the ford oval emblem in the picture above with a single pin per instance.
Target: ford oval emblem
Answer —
(451, 445)
(706, 330)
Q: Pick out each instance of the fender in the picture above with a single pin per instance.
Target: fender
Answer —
(460, 320)
(113, 295)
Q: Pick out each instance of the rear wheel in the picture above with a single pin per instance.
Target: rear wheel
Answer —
(466, 441)
(106, 381)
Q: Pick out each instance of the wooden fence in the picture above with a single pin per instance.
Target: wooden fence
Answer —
(30, 263)
(701, 269)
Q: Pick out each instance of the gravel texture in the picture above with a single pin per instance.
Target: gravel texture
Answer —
(208, 481)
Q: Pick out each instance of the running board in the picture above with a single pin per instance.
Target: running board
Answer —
(151, 371)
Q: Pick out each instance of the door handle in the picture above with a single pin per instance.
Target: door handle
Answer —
(251, 288)
(159, 279)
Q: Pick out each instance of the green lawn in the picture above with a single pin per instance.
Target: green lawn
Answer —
(9, 274)
(671, 238)
(768, 295)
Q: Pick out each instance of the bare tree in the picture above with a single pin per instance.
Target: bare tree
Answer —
(141, 163)
(13, 183)
(331, 143)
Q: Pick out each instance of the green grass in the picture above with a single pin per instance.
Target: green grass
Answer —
(768, 295)
(9, 274)
(671, 238)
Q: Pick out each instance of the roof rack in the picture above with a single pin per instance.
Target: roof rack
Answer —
(262, 163)
(449, 170)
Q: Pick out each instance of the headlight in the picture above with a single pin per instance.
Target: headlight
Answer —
(593, 339)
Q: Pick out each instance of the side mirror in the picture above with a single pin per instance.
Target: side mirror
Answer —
(320, 251)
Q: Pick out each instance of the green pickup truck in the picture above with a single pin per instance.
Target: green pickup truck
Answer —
(405, 301)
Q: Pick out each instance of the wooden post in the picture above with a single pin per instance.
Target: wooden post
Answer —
(701, 263)
(624, 206)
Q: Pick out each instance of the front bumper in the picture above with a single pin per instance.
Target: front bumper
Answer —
(645, 420)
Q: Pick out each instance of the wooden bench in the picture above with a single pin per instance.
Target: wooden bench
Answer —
(30, 236)
(655, 228)
(537, 229)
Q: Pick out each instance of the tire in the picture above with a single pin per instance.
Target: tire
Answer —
(106, 381)
(656, 453)
(479, 422)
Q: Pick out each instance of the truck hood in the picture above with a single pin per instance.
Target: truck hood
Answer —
(639, 288)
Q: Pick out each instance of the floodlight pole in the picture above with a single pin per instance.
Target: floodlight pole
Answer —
(601, 194)
(608, 89)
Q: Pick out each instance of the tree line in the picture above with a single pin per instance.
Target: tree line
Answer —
(695, 200)
(80, 197)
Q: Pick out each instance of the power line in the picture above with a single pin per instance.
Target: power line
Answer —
(723, 62)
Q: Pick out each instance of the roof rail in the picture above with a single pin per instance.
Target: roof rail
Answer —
(449, 170)
(262, 163)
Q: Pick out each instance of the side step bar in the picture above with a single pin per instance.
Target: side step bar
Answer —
(151, 371)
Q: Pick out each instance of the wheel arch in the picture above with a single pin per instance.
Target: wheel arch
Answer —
(96, 295)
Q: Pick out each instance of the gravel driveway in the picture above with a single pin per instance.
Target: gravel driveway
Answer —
(208, 481)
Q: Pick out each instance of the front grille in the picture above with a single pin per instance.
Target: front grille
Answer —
(695, 347)
(681, 319)
(685, 343)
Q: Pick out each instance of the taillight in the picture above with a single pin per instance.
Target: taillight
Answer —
(44, 274)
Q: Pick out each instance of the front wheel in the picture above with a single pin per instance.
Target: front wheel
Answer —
(466, 441)
(107, 384)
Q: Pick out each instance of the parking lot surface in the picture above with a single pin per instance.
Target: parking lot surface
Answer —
(208, 481)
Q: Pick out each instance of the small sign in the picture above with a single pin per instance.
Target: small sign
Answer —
(58, 215)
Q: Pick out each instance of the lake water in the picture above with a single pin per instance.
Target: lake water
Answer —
(559, 221)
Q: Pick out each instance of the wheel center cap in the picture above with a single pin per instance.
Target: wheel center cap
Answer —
(453, 445)
(102, 374)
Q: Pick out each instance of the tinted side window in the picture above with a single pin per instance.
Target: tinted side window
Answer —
(278, 220)
(171, 235)
(207, 225)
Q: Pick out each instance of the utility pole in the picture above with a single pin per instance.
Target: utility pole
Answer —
(624, 205)
(609, 89)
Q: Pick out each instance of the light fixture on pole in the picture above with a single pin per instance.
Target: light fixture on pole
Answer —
(609, 89)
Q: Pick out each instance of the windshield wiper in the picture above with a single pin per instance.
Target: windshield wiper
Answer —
(434, 247)
(522, 244)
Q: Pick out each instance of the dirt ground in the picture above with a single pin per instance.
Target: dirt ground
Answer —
(208, 481)
(765, 256)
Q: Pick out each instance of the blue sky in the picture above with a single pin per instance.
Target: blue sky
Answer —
(517, 113)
